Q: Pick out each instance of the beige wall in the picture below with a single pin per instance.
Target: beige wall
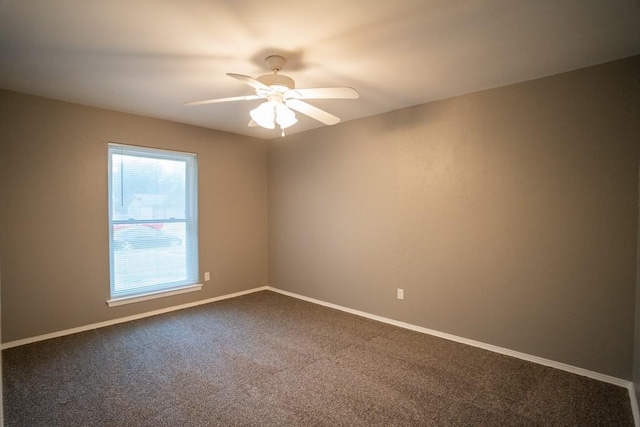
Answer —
(507, 216)
(53, 211)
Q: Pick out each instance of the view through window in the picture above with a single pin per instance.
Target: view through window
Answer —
(152, 220)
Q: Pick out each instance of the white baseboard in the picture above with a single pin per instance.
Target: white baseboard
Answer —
(535, 359)
(125, 319)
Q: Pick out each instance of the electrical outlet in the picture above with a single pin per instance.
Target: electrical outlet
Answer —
(400, 293)
(207, 276)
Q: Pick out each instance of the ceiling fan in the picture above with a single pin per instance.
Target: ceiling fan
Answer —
(282, 98)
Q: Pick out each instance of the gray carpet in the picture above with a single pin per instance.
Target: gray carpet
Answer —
(265, 359)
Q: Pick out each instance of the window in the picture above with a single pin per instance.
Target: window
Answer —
(153, 235)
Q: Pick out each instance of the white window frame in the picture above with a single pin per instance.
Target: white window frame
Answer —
(190, 220)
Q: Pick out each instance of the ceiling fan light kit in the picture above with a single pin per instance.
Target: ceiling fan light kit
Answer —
(271, 112)
(282, 98)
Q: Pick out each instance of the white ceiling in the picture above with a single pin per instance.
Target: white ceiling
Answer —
(150, 56)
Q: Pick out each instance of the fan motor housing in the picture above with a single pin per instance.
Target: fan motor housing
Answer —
(277, 80)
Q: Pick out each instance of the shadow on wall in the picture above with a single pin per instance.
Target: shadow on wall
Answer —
(413, 118)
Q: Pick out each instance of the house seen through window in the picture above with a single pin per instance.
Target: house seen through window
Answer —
(152, 221)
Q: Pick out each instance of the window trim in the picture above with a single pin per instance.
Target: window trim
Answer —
(130, 299)
(190, 220)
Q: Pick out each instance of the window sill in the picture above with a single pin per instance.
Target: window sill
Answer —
(114, 302)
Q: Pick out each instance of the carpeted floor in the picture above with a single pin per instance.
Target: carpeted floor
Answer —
(265, 359)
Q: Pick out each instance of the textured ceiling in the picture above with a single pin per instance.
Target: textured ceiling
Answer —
(148, 57)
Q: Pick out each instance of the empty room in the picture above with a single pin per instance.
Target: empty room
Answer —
(355, 213)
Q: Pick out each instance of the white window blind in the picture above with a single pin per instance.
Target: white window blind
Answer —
(152, 220)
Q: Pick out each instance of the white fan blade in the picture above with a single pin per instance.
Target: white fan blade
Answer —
(311, 111)
(249, 81)
(324, 93)
(214, 101)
